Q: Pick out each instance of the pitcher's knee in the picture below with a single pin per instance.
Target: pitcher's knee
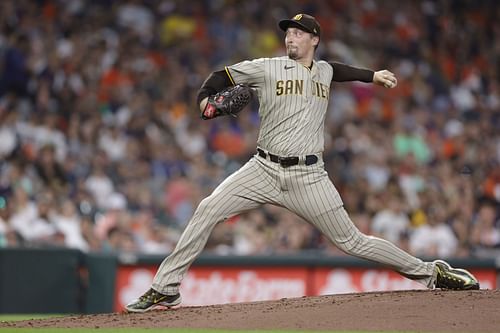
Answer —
(354, 244)
(208, 210)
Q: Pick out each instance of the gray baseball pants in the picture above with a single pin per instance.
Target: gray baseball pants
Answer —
(305, 190)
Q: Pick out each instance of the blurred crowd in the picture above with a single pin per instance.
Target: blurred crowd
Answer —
(102, 147)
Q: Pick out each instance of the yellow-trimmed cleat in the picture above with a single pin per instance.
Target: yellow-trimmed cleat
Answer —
(454, 278)
(152, 300)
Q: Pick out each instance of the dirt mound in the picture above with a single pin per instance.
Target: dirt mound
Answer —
(452, 311)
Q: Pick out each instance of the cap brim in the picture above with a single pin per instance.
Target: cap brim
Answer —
(285, 24)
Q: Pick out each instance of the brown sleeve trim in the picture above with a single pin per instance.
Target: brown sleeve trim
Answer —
(215, 82)
(343, 72)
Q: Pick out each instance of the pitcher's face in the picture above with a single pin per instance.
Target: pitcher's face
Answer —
(299, 43)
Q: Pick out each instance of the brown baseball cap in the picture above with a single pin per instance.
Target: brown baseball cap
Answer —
(302, 21)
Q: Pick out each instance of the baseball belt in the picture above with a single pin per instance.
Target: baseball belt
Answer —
(287, 161)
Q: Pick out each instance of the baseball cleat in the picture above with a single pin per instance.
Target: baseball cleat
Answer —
(454, 278)
(152, 300)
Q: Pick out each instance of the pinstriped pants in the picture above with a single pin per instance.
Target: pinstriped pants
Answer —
(305, 190)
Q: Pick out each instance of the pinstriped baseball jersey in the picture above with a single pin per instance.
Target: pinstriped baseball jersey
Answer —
(293, 102)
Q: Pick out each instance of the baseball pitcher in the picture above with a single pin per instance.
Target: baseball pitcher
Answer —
(287, 169)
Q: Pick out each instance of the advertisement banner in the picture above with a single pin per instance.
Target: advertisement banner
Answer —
(217, 285)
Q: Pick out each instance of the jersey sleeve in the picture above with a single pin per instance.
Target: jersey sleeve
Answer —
(326, 69)
(249, 72)
(343, 72)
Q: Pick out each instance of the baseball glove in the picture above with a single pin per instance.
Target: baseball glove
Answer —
(229, 101)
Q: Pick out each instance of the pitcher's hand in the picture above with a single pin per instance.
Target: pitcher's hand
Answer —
(385, 78)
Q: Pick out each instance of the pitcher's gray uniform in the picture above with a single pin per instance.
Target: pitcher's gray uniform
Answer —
(288, 169)
(293, 104)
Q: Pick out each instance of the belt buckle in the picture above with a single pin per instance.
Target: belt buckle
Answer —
(286, 162)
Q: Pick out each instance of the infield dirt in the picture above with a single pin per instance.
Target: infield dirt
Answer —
(422, 311)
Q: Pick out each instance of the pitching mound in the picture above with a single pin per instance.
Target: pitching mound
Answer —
(431, 311)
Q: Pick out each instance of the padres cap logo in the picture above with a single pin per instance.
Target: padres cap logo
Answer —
(297, 17)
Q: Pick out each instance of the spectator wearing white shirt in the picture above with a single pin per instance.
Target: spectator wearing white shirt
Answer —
(34, 222)
(114, 143)
(67, 221)
(435, 238)
(392, 222)
(100, 186)
(48, 134)
(24, 211)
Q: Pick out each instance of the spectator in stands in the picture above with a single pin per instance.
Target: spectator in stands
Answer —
(486, 227)
(120, 240)
(68, 222)
(435, 238)
(392, 222)
(50, 171)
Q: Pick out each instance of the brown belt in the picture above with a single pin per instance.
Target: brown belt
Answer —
(287, 161)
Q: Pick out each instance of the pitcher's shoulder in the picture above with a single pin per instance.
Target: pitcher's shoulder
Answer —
(324, 67)
(323, 64)
(274, 62)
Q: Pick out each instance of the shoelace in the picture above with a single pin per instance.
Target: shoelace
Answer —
(148, 295)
